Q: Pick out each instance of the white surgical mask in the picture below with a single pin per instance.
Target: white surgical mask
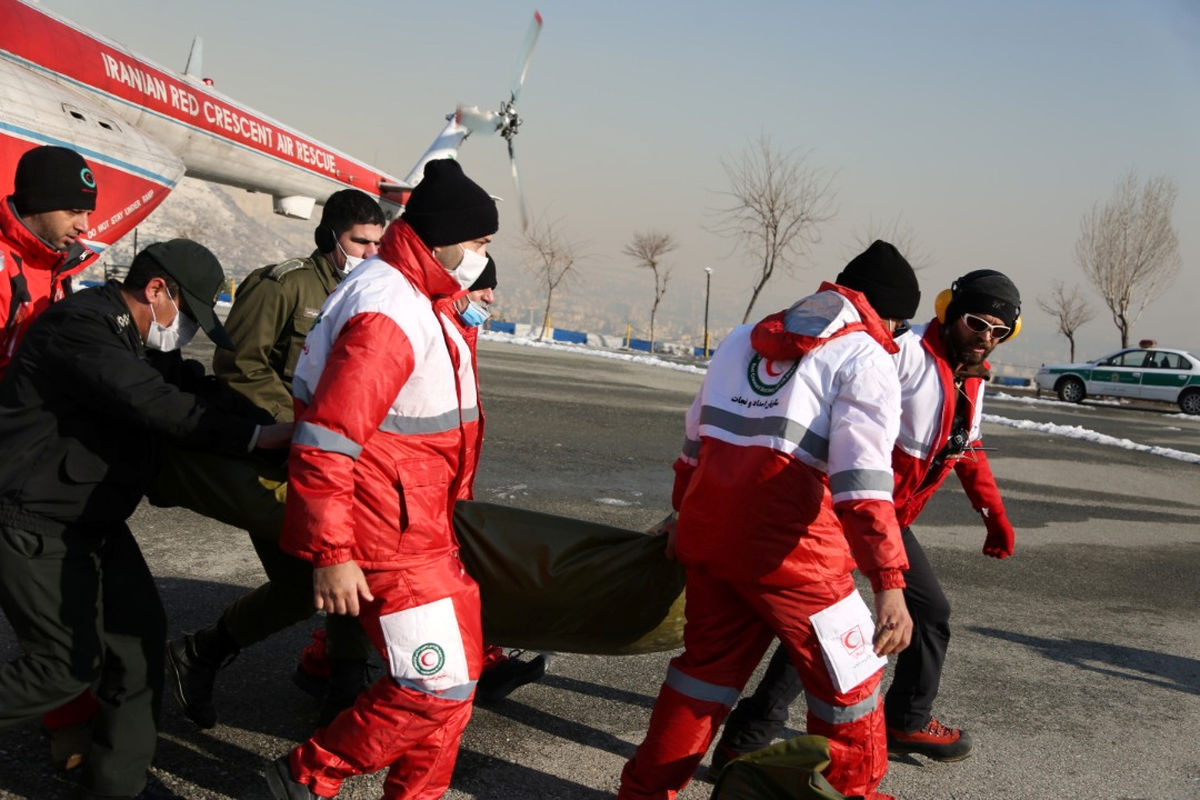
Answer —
(470, 268)
(170, 337)
(351, 261)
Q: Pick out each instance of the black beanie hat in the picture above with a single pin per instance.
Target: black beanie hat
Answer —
(486, 279)
(51, 179)
(985, 291)
(200, 279)
(447, 207)
(886, 278)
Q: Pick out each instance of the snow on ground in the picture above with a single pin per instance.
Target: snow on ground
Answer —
(562, 347)
(1079, 432)
(1048, 401)
(613, 501)
(1069, 431)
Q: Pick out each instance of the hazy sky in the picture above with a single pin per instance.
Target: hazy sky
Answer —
(989, 129)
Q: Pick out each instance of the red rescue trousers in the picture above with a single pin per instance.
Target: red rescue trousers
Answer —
(425, 623)
(729, 627)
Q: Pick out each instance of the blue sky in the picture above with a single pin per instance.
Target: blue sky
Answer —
(990, 129)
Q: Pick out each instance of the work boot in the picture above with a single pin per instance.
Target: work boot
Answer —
(505, 675)
(934, 741)
(283, 786)
(193, 661)
(348, 677)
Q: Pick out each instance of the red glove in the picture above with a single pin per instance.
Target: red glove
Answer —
(1000, 535)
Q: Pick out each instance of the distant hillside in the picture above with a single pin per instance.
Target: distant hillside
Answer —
(239, 227)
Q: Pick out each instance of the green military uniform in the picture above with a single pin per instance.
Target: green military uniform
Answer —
(275, 309)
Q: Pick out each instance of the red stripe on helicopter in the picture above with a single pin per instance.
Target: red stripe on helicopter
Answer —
(105, 67)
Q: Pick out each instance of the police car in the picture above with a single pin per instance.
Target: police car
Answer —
(1144, 372)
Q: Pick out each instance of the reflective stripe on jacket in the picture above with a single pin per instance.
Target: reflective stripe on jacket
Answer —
(384, 387)
(785, 476)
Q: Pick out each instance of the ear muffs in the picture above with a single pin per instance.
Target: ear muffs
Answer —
(941, 303)
(946, 296)
(324, 238)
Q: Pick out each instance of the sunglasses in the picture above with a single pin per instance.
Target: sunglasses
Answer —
(980, 325)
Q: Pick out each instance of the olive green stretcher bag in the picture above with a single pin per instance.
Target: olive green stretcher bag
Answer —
(784, 771)
(547, 582)
(553, 583)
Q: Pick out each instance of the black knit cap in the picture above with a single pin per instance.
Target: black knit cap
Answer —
(985, 291)
(886, 278)
(52, 179)
(487, 278)
(200, 279)
(447, 207)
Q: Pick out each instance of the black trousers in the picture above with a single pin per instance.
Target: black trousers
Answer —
(759, 719)
(86, 613)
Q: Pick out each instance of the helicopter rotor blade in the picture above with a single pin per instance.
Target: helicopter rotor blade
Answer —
(512, 159)
(531, 37)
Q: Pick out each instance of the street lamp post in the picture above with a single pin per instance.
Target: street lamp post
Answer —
(707, 288)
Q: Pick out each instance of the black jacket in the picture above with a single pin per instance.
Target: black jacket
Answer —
(80, 411)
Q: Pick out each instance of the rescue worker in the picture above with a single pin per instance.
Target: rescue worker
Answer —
(503, 672)
(54, 191)
(80, 413)
(273, 311)
(41, 222)
(386, 392)
(783, 485)
(943, 369)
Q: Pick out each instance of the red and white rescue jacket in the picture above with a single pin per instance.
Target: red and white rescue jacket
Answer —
(929, 396)
(32, 276)
(785, 476)
(386, 400)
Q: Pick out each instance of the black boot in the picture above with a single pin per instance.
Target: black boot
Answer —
(193, 661)
(500, 680)
(283, 786)
(348, 677)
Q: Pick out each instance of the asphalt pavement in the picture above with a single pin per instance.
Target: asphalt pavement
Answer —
(1075, 664)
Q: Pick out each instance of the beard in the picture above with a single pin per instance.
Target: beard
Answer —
(969, 348)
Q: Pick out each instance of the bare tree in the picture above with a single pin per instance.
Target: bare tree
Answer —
(778, 201)
(553, 257)
(648, 249)
(1128, 247)
(1069, 308)
(899, 233)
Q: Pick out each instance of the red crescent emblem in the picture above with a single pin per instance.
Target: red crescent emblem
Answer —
(767, 365)
(852, 639)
